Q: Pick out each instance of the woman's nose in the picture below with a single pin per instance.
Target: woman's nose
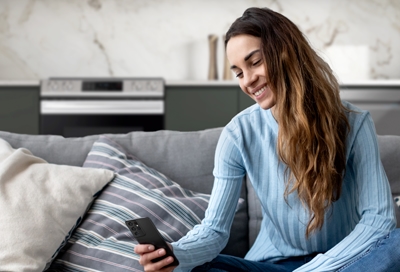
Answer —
(249, 79)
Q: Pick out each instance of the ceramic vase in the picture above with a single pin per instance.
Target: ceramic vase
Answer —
(212, 68)
(227, 75)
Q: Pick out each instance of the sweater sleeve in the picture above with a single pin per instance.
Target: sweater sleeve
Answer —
(375, 204)
(206, 240)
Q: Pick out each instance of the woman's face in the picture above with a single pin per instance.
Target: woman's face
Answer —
(244, 55)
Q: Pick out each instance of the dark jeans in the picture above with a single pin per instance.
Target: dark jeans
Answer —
(384, 256)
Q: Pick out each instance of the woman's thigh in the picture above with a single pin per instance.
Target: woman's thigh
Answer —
(383, 257)
(235, 264)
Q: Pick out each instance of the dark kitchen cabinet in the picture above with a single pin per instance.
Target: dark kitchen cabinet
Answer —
(19, 109)
(189, 108)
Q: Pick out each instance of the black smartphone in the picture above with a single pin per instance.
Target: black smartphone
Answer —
(145, 232)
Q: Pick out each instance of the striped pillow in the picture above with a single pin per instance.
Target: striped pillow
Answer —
(102, 242)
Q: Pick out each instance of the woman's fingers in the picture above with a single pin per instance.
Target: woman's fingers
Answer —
(160, 265)
(142, 249)
(148, 253)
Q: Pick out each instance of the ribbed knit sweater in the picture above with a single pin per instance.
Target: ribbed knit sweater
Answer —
(247, 146)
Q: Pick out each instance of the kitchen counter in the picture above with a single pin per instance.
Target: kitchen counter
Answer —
(19, 83)
(168, 83)
(350, 84)
(372, 83)
(201, 83)
(221, 83)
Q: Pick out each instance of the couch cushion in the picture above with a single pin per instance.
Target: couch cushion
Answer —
(40, 205)
(136, 191)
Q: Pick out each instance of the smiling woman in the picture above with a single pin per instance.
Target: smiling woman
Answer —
(268, 51)
(312, 159)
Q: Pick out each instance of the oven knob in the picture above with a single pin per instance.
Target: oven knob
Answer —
(53, 86)
(69, 86)
(137, 85)
(66, 86)
(152, 85)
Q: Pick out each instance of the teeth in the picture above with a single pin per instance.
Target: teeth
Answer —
(260, 91)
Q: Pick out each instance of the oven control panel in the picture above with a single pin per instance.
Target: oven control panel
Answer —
(134, 87)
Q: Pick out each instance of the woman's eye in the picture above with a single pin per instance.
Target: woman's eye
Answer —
(239, 74)
(257, 62)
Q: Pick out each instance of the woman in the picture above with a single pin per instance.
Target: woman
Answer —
(313, 161)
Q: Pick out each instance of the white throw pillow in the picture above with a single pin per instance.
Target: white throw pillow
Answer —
(40, 205)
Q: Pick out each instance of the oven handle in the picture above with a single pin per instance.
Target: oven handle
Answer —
(102, 107)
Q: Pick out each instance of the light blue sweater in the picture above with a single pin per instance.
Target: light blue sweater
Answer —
(247, 146)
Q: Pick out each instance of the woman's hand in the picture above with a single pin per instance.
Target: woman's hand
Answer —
(148, 253)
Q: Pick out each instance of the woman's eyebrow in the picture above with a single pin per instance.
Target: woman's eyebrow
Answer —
(251, 54)
(247, 57)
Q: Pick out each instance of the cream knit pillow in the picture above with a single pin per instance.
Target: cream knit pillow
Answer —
(40, 205)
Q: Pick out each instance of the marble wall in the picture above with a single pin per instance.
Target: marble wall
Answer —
(168, 38)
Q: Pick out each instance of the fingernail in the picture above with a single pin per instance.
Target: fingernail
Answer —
(151, 247)
(161, 252)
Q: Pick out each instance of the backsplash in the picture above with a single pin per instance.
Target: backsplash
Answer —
(168, 38)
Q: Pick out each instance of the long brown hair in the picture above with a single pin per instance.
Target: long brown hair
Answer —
(312, 122)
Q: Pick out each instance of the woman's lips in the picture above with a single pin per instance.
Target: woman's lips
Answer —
(260, 92)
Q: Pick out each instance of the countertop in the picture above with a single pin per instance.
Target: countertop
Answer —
(22, 83)
(168, 83)
(363, 83)
(228, 83)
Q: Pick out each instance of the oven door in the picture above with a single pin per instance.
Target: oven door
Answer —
(77, 118)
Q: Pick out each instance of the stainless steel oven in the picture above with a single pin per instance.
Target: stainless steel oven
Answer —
(75, 107)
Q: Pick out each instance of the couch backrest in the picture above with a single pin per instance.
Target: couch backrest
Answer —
(185, 157)
(389, 148)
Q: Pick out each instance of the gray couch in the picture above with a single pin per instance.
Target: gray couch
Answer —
(187, 158)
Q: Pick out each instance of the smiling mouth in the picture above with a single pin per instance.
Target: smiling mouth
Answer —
(260, 91)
